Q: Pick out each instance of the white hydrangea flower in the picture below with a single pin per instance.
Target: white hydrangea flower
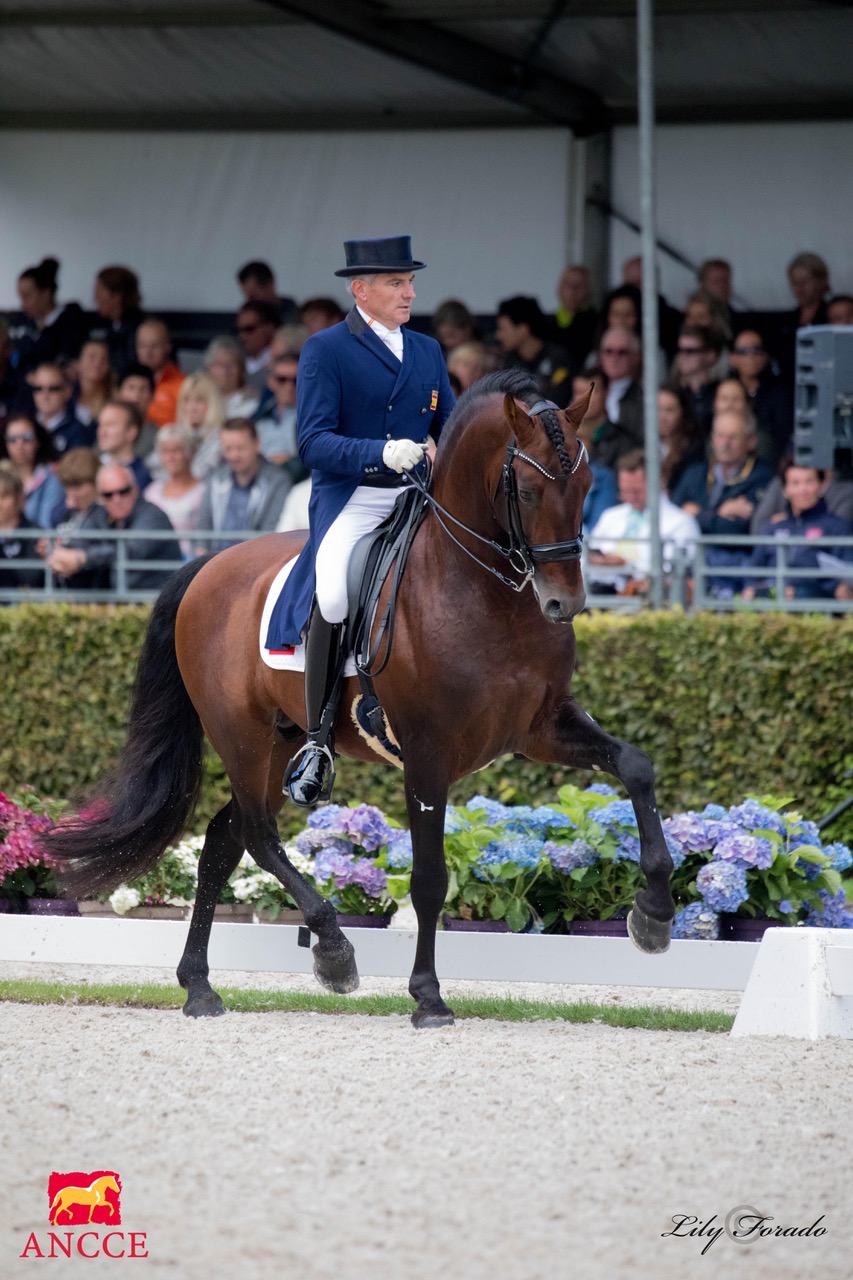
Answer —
(124, 899)
(245, 888)
(303, 864)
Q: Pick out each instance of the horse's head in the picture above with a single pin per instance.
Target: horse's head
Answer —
(546, 480)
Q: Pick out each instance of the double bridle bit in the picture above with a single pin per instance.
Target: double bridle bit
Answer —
(521, 555)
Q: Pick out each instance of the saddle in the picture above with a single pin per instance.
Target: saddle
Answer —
(372, 559)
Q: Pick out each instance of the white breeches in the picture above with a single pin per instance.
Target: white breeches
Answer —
(365, 510)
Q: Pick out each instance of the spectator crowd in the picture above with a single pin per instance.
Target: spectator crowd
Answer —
(102, 429)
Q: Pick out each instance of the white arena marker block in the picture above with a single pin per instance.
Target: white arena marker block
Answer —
(801, 985)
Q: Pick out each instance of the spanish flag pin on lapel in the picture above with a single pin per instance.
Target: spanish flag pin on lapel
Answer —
(433, 404)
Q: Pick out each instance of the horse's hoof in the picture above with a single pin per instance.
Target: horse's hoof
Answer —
(206, 1006)
(336, 970)
(437, 1016)
(648, 934)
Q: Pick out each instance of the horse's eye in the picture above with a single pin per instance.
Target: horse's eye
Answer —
(526, 495)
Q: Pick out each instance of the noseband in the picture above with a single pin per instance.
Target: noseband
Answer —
(523, 557)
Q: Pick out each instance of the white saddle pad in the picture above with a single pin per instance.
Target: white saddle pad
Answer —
(286, 659)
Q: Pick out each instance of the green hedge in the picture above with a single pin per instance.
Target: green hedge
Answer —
(725, 705)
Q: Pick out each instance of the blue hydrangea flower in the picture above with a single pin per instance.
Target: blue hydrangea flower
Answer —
(494, 810)
(722, 829)
(785, 907)
(602, 789)
(811, 870)
(805, 832)
(628, 849)
(747, 850)
(310, 841)
(329, 864)
(568, 857)
(453, 823)
(399, 852)
(540, 820)
(835, 913)
(524, 851)
(676, 851)
(366, 826)
(722, 885)
(619, 813)
(841, 856)
(327, 818)
(714, 811)
(689, 829)
(751, 816)
(696, 921)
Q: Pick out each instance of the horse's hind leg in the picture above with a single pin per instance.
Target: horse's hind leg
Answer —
(426, 800)
(573, 738)
(219, 857)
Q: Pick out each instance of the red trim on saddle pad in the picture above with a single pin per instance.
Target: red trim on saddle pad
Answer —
(283, 653)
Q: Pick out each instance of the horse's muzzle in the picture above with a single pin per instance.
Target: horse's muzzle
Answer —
(562, 608)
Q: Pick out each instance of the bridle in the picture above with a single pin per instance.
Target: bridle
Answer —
(521, 555)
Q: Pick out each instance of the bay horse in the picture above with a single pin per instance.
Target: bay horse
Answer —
(481, 663)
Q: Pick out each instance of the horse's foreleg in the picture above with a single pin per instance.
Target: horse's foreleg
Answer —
(334, 954)
(219, 857)
(426, 801)
(573, 738)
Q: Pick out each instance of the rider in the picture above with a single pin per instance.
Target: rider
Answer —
(368, 393)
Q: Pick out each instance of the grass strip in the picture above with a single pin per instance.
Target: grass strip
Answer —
(493, 1008)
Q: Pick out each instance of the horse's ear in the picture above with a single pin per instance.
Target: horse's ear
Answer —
(521, 424)
(579, 408)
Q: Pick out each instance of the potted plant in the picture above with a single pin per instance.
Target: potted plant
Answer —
(345, 852)
(27, 881)
(167, 892)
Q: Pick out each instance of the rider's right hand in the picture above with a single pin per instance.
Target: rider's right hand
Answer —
(402, 455)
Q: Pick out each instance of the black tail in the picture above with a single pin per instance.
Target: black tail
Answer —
(143, 805)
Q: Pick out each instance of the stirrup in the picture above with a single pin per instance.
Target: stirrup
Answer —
(323, 783)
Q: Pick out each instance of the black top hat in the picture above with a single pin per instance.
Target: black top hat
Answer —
(366, 257)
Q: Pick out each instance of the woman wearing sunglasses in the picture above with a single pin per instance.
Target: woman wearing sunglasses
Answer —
(29, 449)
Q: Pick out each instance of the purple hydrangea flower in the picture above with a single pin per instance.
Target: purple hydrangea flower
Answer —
(835, 913)
(696, 921)
(309, 842)
(722, 885)
(569, 857)
(753, 816)
(602, 789)
(841, 856)
(368, 877)
(689, 829)
(749, 851)
(628, 849)
(366, 826)
(619, 813)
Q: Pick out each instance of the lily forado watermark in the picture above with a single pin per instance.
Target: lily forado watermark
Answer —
(743, 1225)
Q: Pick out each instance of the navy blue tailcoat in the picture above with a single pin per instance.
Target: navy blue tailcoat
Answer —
(352, 396)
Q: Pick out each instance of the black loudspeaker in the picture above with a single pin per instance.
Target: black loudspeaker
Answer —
(823, 405)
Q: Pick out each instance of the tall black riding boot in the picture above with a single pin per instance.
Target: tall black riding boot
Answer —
(313, 776)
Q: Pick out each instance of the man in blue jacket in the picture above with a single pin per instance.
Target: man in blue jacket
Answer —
(368, 394)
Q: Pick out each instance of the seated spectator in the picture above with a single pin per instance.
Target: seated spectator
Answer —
(723, 495)
(602, 439)
(8, 381)
(705, 311)
(258, 284)
(620, 550)
(178, 493)
(126, 509)
(225, 362)
(575, 322)
(808, 517)
(30, 452)
(453, 324)
(808, 277)
(468, 362)
(119, 425)
(698, 351)
(770, 399)
(622, 308)
(12, 547)
(670, 318)
(54, 331)
(277, 428)
(201, 408)
(256, 324)
(320, 313)
(838, 493)
(839, 310)
(596, 415)
(287, 341)
(680, 445)
(137, 387)
(52, 395)
(520, 331)
(620, 356)
(246, 492)
(154, 349)
(731, 397)
(715, 277)
(67, 554)
(119, 305)
(94, 381)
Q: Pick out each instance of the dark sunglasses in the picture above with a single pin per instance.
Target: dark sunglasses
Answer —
(615, 351)
(691, 351)
(52, 386)
(115, 493)
(26, 438)
(749, 351)
(283, 378)
(247, 328)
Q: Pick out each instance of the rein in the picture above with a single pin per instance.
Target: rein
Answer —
(522, 556)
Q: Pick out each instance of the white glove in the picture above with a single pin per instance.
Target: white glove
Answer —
(402, 455)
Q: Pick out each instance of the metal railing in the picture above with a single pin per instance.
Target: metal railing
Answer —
(688, 578)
